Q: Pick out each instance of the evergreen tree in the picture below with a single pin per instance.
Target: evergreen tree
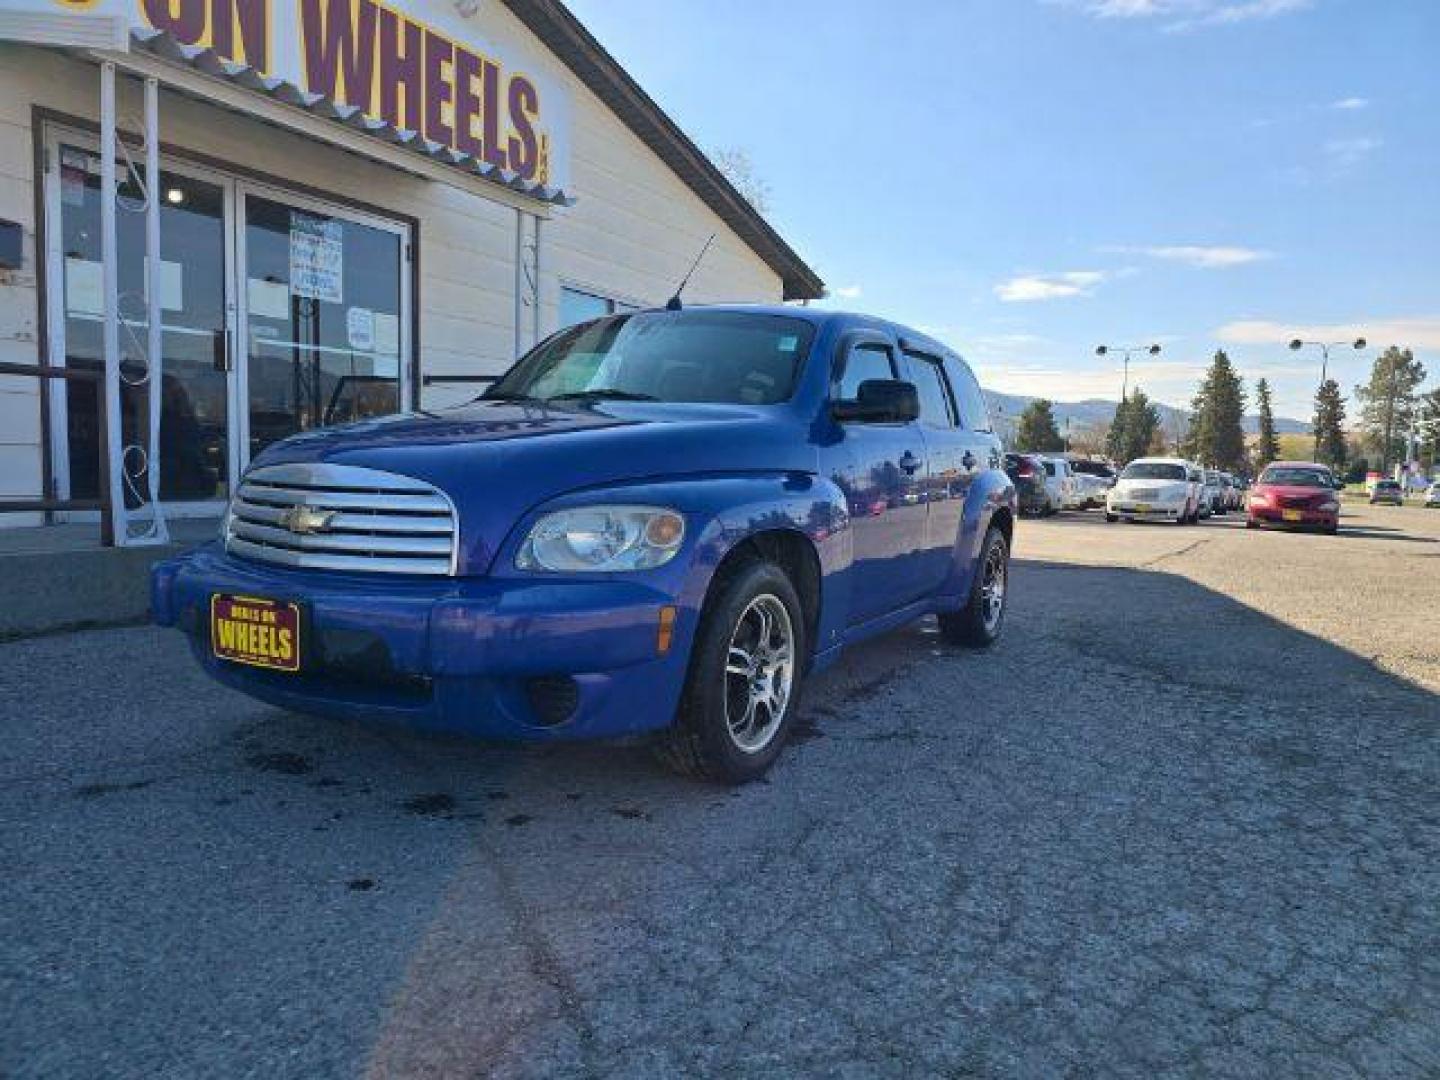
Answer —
(1427, 428)
(1330, 448)
(1268, 448)
(1135, 428)
(1217, 434)
(1037, 431)
(1387, 402)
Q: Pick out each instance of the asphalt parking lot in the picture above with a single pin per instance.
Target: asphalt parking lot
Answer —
(1184, 820)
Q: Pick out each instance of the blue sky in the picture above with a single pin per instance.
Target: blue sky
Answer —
(1029, 178)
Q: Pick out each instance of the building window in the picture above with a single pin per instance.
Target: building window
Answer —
(577, 306)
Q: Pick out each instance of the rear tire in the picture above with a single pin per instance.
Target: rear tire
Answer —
(978, 624)
(742, 690)
(1110, 519)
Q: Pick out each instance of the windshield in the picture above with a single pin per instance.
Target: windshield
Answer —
(1295, 478)
(1153, 470)
(690, 356)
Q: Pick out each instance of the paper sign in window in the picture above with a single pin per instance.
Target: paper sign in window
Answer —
(268, 299)
(317, 258)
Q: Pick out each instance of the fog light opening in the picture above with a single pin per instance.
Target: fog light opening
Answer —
(553, 699)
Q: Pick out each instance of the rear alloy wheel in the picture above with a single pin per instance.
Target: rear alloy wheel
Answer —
(743, 687)
(978, 624)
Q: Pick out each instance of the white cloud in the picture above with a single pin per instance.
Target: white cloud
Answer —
(1350, 104)
(1188, 14)
(1206, 257)
(1028, 287)
(846, 292)
(1416, 332)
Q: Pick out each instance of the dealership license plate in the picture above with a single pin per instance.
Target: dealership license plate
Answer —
(1292, 515)
(255, 630)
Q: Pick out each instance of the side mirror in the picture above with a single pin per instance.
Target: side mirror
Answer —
(880, 401)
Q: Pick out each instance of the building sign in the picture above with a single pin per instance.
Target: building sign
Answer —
(427, 66)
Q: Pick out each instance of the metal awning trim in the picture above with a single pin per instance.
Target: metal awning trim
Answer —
(161, 44)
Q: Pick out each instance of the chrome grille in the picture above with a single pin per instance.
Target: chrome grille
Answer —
(340, 517)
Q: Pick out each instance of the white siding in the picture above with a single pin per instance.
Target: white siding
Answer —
(634, 231)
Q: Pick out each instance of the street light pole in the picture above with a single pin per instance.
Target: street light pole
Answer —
(1296, 344)
(1104, 350)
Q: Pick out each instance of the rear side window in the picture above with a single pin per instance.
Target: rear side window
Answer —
(973, 412)
(937, 404)
(863, 363)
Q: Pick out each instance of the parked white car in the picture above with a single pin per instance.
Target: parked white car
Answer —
(1156, 489)
(1432, 495)
(1060, 482)
(1095, 479)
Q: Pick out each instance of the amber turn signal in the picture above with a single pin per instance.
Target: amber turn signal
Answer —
(667, 629)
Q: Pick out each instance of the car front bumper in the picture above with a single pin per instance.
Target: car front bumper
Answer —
(1156, 511)
(521, 659)
(1307, 518)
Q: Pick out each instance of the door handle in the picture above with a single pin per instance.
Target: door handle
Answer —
(968, 460)
(220, 344)
(909, 462)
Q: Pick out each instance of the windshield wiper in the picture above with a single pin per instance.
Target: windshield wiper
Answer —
(506, 395)
(606, 393)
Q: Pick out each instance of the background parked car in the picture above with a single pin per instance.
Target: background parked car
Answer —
(1095, 479)
(1432, 495)
(1160, 489)
(1234, 493)
(1198, 490)
(1387, 491)
(1295, 493)
(1027, 473)
(1062, 485)
(1215, 492)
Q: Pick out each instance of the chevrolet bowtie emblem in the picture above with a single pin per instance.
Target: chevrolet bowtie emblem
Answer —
(305, 520)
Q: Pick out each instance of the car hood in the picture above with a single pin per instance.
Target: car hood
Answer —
(497, 460)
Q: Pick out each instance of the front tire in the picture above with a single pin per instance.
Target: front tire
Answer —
(978, 624)
(742, 690)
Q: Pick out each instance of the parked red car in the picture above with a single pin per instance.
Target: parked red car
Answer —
(1295, 493)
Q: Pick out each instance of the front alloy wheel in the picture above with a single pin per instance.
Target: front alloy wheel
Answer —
(742, 689)
(759, 673)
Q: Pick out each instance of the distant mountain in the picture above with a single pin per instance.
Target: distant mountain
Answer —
(1005, 409)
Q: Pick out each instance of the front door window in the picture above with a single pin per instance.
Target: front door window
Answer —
(324, 324)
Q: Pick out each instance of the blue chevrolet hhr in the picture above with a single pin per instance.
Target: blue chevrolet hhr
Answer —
(657, 522)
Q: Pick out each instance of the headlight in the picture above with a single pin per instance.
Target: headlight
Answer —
(1329, 507)
(1258, 500)
(605, 538)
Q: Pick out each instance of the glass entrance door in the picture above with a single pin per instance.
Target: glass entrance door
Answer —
(324, 320)
(194, 447)
(281, 313)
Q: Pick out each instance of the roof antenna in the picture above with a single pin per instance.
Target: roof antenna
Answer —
(673, 304)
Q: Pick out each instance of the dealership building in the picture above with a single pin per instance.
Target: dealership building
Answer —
(226, 221)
